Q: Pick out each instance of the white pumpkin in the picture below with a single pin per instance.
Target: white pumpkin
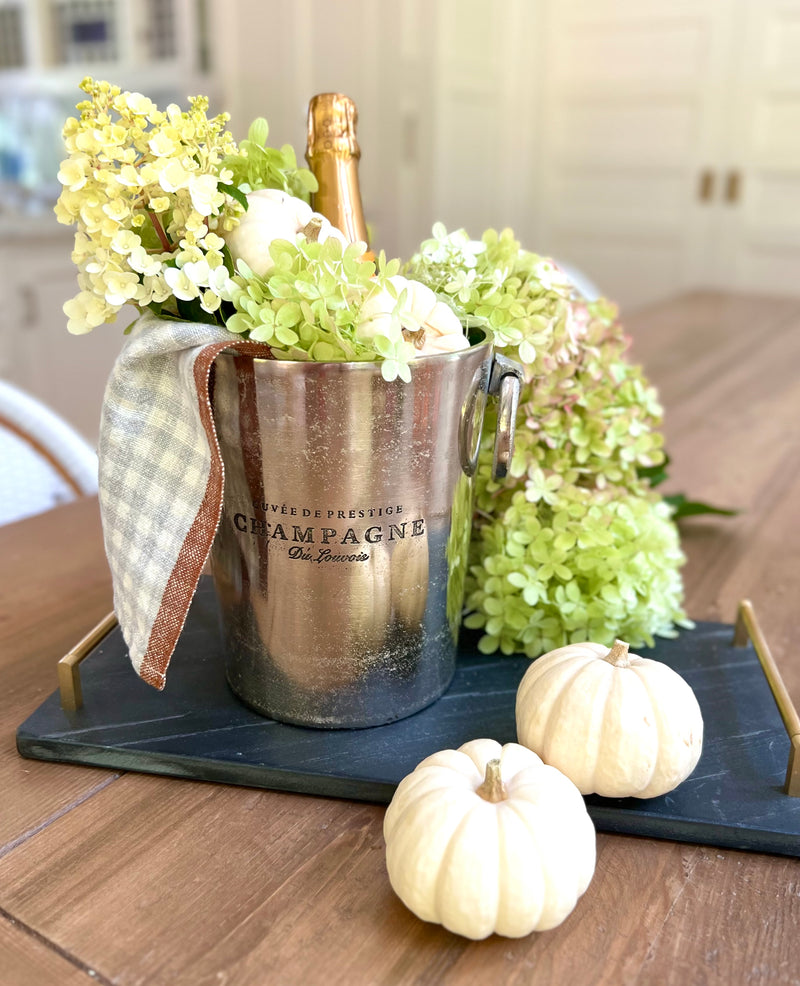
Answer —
(488, 839)
(431, 325)
(617, 724)
(274, 215)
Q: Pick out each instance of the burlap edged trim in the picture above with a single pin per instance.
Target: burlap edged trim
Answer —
(182, 583)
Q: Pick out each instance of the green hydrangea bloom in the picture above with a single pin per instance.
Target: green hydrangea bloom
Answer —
(573, 545)
(307, 307)
(591, 565)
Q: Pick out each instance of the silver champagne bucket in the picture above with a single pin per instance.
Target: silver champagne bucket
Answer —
(342, 551)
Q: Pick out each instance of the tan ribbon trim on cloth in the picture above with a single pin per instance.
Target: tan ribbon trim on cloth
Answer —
(182, 584)
(161, 479)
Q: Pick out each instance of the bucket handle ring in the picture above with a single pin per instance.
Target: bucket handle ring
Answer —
(504, 383)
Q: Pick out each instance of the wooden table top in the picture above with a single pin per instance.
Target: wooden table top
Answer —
(131, 879)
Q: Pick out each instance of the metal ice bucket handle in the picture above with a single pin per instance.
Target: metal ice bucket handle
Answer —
(504, 383)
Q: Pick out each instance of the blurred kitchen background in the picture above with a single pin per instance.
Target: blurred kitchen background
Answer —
(652, 144)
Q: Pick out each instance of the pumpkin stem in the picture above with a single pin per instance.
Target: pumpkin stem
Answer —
(618, 655)
(417, 339)
(493, 789)
(312, 229)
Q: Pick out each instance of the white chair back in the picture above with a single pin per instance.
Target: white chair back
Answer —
(43, 460)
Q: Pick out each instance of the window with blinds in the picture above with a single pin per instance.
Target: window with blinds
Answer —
(162, 40)
(84, 31)
(12, 41)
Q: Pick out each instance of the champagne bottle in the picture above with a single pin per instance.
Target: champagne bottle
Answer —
(332, 153)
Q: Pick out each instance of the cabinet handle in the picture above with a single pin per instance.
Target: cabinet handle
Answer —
(30, 309)
(733, 186)
(705, 190)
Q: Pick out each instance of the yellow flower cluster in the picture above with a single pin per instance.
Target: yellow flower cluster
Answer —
(143, 187)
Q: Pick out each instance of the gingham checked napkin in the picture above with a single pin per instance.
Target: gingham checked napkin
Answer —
(161, 480)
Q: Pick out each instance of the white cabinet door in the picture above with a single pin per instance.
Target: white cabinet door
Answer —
(69, 372)
(486, 78)
(66, 372)
(378, 54)
(634, 93)
(759, 224)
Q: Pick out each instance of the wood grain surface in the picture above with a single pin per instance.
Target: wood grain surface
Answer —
(131, 879)
(54, 585)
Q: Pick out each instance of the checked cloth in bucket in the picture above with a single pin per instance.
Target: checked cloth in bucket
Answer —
(161, 479)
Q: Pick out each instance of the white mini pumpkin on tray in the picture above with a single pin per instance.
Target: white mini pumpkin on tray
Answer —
(615, 723)
(487, 838)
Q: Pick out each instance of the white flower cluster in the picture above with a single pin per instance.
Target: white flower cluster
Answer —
(143, 187)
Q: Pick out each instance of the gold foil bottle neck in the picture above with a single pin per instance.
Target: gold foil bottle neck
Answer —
(332, 153)
(332, 121)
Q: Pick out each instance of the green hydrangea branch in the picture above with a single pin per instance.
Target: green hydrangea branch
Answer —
(574, 544)
(255, 165)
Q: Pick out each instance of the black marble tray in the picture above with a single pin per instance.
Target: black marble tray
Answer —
(197, 728)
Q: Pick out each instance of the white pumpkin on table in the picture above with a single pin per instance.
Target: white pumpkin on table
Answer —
(487, 838)
(617, 724)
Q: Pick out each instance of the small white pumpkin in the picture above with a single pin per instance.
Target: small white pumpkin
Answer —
(617, 724)
(274, 215)
(489, 839)
(431, 325)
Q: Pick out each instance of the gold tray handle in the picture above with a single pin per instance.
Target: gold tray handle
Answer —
(69, 675)
(747, 628)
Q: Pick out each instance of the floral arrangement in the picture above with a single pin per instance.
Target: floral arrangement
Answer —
(174, 217)
(169, 210)
(575, 544)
